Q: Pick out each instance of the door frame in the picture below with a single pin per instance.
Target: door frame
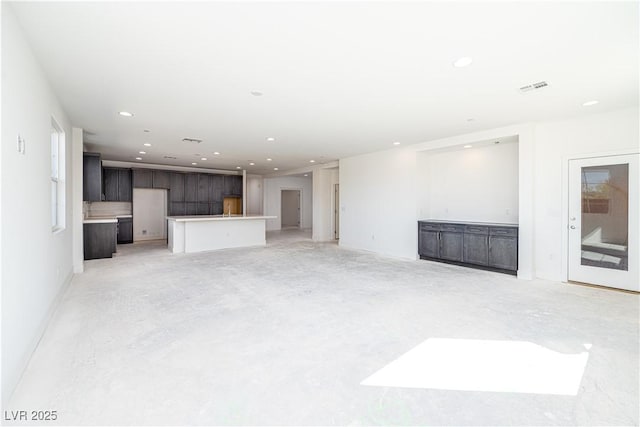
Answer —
(565, 200)
(300, 201)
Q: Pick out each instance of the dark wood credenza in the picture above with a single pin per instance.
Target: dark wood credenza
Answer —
(474, 244)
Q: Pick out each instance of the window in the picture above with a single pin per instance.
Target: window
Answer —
(57, 177)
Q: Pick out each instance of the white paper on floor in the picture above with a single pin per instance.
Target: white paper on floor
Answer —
(484, 365)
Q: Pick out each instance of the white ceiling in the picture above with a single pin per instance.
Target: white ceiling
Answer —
(338, 78)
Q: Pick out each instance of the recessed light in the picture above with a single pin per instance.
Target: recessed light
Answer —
(468, 146)
(271, 139)
(465, 61)
(256, 93)
(268, 160)
(306, 174)
(194, 163)
(251, 164)
(142, 152)
(215, 153)
(312, 161)
(589, 103)
(125, 114)
(275, 169)
(203, 158)
(138, 158)
(238, 167)
(146, 144)
(396, 143)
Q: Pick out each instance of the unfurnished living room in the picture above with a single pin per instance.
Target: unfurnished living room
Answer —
(320, 213)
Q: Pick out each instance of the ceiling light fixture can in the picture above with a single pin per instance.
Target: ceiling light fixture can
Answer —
(125, 114)
(138, 158)
(215, 153)
(271, 139)
(590, 103)
(468, 146)
(396, 143)
(203, 158)
(275, 169)
(464, 61)
(142, 152)
(146, 144)
(193, 163)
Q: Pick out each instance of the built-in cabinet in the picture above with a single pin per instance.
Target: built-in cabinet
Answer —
(125, 230)
(99, 240)
(91, 177)
(482, 245)
(117, 184)
(142, 178)
(200, 193)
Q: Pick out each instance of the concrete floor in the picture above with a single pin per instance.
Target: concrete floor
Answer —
(286, 334)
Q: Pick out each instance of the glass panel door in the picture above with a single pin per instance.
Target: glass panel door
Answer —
(603, 221)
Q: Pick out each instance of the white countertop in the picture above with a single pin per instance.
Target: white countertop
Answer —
(104, 220)
(98, 219)
(218, 218)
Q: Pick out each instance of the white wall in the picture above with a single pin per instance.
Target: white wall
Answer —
(378, 202)
(556, 142)
(473, 184)
(36, 263)
(323, 180)
(272, 188)
(254, 195)
(378, 190)
(149, 214)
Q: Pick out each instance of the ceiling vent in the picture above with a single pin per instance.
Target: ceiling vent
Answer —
(171, 157)
(534, 86)
(194, 140)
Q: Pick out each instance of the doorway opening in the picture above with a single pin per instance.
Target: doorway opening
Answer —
(290, 209)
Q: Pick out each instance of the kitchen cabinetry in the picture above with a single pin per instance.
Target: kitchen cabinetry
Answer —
(216, 188)
(232, 185)
(161, 179)
(176, 187)
(117, 184)
(503, 248)
(451, 242)
(142, 178)
(91, 177)
(483, 245)
(99, 240)
(191, 188)
(125, 230)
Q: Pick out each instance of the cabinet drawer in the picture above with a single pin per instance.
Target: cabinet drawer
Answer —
(428, 226)
(476, 229)
(452, 227)
(503, 231)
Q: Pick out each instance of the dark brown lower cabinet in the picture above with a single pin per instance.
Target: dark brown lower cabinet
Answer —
(480, 245)
(125, 230)
(99, 240)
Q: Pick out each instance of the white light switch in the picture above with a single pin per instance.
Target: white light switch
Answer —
(21, 145)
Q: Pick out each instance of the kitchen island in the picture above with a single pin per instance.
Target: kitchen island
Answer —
(209, 232)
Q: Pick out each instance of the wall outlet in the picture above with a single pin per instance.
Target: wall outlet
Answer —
(144, 231)
(22, 145)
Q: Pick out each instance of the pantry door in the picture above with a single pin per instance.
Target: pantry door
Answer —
(603, 221)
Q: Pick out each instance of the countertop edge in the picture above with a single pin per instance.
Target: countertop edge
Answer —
(216, 218)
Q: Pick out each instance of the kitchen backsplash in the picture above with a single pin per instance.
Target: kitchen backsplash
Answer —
(107, 208)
